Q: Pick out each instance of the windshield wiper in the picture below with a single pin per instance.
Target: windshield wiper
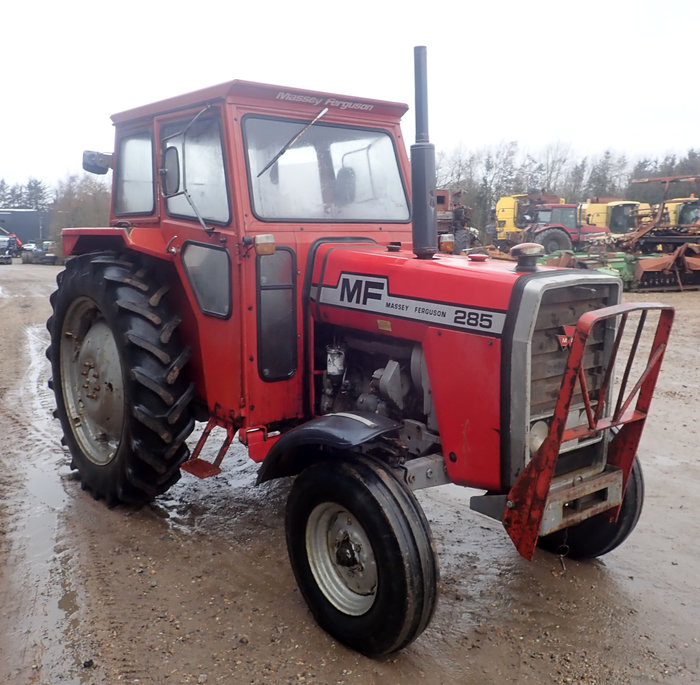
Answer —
(292, 140)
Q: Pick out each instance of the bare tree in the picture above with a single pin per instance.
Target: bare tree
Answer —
(80, 201)
(555, 161)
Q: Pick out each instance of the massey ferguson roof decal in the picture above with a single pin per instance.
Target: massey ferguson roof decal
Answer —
(325, 101)
(371, 294)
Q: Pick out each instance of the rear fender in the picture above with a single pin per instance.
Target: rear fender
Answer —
(302, 445)
(122, 236)
(84, 240)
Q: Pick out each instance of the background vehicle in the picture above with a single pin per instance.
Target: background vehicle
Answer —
(10, 246)
(619, 216)
(5, 258)
(44, 254)
(682, 212)
(267, 271)
(454, 218)
(542, 218)
(659, 251)
(674, 222)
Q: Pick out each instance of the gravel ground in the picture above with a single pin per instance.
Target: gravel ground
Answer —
(197, 588)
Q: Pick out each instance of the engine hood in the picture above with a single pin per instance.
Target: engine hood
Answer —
(379, 290)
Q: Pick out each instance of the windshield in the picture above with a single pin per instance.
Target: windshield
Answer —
(566, 216)
(331, 173)
(622, 218)
(543, 216)
(689, 214)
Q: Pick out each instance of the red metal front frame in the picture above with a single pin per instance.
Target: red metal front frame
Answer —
(527, 499)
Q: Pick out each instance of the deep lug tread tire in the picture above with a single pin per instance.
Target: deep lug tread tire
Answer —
(405, 595)
(464, 240)
(554, 239)
(461, 238)
(597, 535)
(119, 295)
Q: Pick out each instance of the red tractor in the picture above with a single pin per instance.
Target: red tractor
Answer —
(542, 218)
(268, 270)
(556, 227)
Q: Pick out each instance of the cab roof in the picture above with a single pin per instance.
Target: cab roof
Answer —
(261, 94)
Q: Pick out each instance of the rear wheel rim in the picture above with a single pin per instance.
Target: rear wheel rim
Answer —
(92, 381)
(341, 558)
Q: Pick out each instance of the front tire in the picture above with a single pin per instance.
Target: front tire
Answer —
(597, 535)
(362, 554)
(121, 396)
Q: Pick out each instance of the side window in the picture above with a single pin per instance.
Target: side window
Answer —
(133, 188)
(277, 315)
(202, 173)
(209, 273)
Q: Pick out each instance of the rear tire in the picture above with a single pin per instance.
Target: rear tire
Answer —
(597, 535)
(362, 554)
(461, 238)
(121, 396)
(554, 239)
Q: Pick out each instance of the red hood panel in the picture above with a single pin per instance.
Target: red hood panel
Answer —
(446, 291)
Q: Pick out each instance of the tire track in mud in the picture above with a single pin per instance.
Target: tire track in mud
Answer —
(35, 499)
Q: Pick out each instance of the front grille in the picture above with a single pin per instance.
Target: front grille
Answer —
(548, 307)
(562, 308)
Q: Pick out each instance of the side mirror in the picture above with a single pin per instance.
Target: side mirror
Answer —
(97, 162)
(171, 171)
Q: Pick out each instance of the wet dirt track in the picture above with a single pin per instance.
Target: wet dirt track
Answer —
(197, 588)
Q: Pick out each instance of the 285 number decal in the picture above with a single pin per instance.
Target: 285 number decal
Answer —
(472, 319)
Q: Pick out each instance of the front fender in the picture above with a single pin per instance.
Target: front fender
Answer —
(341, 431)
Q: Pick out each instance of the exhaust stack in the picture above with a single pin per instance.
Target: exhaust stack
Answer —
(423, 167)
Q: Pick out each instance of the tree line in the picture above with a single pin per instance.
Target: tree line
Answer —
(74, 201)
(485, 175)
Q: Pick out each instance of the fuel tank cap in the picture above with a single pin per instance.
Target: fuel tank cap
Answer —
(526, 254)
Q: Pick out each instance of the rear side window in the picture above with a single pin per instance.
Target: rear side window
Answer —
(209, 272)
(133, 188)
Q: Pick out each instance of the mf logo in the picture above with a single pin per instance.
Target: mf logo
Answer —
(360, 290)
(567, 340)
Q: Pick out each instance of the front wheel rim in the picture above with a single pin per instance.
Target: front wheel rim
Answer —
(91, 381)
(341, 559)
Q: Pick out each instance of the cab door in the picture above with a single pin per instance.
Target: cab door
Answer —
(273, 339)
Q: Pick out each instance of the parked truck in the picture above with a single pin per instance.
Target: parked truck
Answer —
(542, 218)
(271, 267)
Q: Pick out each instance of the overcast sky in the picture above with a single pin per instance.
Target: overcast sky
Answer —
(592, 74)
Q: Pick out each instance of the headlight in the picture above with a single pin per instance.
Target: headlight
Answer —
(538, 432)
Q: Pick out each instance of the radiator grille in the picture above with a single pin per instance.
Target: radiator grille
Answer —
(549, 307)
(559, 308)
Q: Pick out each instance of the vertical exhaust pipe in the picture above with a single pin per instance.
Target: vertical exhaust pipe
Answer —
(423, 167)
